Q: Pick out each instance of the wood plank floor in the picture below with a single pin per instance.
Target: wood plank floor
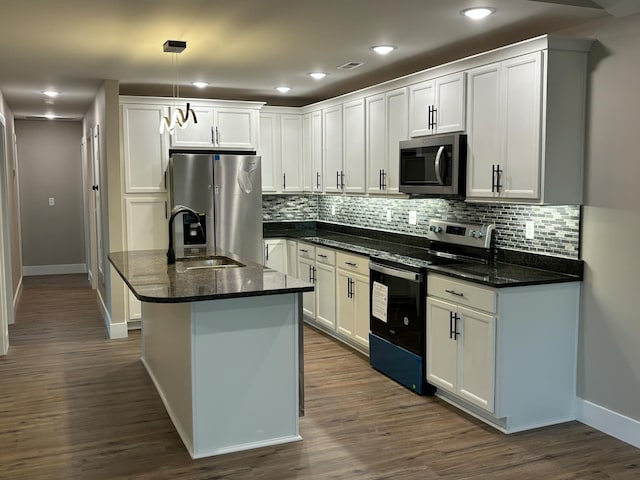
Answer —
(74, 405)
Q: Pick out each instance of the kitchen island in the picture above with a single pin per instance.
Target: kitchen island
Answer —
(223, 346)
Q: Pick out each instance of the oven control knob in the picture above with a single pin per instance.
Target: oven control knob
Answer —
(435, 228)
(406, 321)
(476, 233)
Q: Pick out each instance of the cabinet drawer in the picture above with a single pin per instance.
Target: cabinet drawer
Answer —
(306, 251)
(326, 256)
(354, 263)
(462, 293)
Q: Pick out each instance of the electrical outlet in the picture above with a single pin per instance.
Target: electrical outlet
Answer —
(388, 214)
(413, 217)
(52, 201)
(529, 231)
(333, 209)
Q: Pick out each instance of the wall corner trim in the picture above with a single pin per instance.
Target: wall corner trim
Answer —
(612, 423)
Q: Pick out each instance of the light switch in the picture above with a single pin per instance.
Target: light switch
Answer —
(52, 201)
(388, 214)
(413, 217)
(333, 209)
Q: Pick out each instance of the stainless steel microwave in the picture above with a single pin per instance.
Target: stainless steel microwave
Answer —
(434, 166)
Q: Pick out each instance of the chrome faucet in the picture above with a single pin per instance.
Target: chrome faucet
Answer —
(171, 255)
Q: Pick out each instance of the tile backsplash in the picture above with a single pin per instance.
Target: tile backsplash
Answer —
(557, 228)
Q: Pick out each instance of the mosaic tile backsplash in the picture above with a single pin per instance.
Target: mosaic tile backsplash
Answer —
(557, 228)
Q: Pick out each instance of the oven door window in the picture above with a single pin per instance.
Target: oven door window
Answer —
(405, 317)
(426, 165)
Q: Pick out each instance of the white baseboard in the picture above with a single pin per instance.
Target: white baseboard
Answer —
(33, 270)
(607, 421)
(115, 330)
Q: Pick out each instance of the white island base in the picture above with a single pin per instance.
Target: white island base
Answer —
(227, 370)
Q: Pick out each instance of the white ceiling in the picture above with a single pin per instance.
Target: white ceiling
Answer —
(245, 48)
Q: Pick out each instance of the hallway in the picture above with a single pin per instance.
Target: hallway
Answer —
(75, 405)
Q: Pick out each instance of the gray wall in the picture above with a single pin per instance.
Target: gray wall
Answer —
(50, 166)
(609, 357)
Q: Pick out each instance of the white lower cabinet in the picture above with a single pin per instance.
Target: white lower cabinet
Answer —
(461, 351)
(352, 296)
(340, 303)
(325, 287)
(307, 272)
(506, 356)
(275, 254)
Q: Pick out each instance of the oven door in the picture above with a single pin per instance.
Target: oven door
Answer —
(397, 306)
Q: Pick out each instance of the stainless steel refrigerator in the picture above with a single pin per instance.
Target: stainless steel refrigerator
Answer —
(226, 190)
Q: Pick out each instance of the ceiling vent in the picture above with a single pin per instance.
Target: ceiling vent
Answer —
(350, 65)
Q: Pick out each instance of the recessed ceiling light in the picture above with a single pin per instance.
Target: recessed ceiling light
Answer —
(478, 13)
(283, 89)
(200, 84)
(49, 102)
(318, 75)
(51, 93)
(383, 49)
(50, 116)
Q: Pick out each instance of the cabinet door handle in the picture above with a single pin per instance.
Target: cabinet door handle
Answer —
(318, 180)
(434, 117)
(380, 179)
(165, 210)
(351, 264)
(337, 179)
(314, 274)
(384, 180)
(322, 256)
(455, 326)
(310, 274)
(213, 136)
(165, 179)
(342, 180)
(451, 325)
(453, 292)
(496, 171)
(266, 252)
(284, 181)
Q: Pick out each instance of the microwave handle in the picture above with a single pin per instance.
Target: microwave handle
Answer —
(438, 165)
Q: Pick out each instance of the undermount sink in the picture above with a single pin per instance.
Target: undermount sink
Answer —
(213, 261)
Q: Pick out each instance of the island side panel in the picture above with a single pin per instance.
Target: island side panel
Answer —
(245, 375)
(166, 354)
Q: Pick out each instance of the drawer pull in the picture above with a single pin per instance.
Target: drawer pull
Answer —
(351, 264)
(453, 292)
(304, 251)
(322, 256)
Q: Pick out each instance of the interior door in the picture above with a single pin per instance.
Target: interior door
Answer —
(97, 204)
(6, 282)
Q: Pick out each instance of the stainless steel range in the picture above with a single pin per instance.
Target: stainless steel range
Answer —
(398, 299)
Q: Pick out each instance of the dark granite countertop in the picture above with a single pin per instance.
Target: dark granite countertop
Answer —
(151, 280)
(495, 274)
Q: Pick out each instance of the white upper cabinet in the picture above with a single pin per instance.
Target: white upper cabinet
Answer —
(313, 176)
(281, 137)
(354, 146)
(386, 125)
(333, 149)
(201, 134)
(376, 142)
(145, 151)
(291, 152)
(268, 151)
(219, 127)
(525, 127)
(437, 106)
(397, 130)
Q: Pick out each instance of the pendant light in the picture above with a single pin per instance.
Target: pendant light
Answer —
(179, 117)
